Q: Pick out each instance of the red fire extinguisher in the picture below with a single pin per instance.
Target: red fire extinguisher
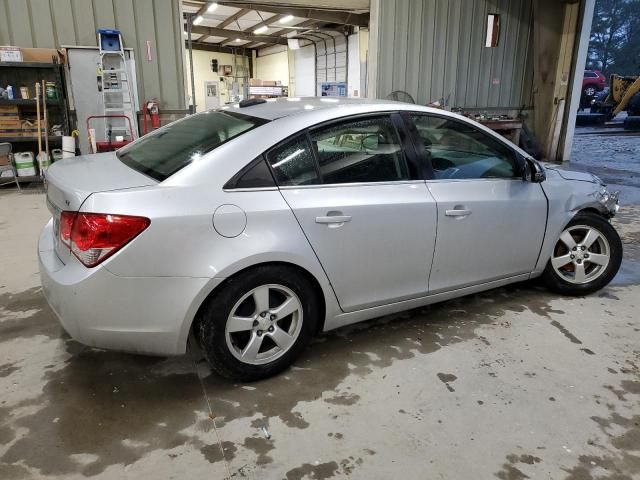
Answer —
(152, 109)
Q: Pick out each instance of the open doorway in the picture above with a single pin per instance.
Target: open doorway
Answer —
(607, 134)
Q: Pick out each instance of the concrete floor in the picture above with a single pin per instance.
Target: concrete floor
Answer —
(512, 384)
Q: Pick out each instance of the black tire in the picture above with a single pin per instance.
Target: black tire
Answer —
(217, 308)
(632, 123)
(556, 283)
(588, 119)
(633, 107)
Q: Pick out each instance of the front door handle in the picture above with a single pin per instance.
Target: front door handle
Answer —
(457, 212)
(333, 219)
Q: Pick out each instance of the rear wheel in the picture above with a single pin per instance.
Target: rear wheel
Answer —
(585, 258)
(258, 323)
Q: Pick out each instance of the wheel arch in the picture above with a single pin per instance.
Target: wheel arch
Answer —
(321, 296)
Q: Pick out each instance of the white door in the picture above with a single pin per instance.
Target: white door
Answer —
(211, 94)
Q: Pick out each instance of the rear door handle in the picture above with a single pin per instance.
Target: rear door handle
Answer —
(333, 219)
(457, 212)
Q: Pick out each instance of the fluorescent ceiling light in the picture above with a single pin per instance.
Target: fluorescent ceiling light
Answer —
(212, 7)
(286, 19)
(198, 20)
(260, 30)
(238, 40)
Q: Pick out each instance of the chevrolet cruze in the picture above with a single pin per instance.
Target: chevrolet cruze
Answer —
(255, 226)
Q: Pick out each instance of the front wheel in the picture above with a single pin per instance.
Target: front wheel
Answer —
(585, 258)
(258, 323)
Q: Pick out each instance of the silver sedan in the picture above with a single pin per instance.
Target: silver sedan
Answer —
(254, 227)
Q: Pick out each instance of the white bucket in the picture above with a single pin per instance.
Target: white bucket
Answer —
(24, 164)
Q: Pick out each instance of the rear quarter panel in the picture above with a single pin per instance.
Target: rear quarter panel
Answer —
(182, 241)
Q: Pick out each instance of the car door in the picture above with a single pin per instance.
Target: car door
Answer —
(357, 196)
(491, 223)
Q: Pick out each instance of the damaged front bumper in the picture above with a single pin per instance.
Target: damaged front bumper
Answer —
(610, 201)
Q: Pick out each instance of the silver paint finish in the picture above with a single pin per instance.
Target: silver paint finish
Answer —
(376, 258)
(500, 236)
(266, 321)
(583, 255)
(380, 249)
(229, 220)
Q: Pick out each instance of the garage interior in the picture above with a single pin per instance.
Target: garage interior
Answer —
(512, 383)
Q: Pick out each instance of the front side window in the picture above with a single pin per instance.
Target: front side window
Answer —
(362, 150)
(458, 150)
(293, 164)
(169, 149)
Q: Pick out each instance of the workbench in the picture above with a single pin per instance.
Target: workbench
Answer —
(509, 128)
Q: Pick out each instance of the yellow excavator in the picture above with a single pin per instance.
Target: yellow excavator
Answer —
(624, 94)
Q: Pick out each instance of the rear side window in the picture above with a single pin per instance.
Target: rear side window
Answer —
(254, 175)
(590, 75)
(293, 163)
(171, 148)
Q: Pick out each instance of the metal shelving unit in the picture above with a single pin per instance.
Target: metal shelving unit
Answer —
(20, 74)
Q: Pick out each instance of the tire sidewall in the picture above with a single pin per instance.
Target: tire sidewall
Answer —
(215, 314)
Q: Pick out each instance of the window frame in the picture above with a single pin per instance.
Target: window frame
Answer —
(427, 170)
(409, 154)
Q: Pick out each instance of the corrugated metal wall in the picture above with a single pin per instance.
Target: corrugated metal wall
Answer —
(434, 49)
(52, 23)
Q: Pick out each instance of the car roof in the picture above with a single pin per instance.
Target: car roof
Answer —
(274, 108)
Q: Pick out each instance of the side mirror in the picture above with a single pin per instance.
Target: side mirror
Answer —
(533, 172)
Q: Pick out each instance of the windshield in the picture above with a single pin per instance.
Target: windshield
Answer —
(167, 150)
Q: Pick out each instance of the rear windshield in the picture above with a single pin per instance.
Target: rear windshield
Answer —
(165, 151)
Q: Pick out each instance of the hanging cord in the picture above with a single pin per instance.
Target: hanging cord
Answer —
(212, 415)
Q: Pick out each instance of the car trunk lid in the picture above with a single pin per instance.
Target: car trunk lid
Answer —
(71, 181)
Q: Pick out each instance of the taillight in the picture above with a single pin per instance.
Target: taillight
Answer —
(93, 237)
(66, 222)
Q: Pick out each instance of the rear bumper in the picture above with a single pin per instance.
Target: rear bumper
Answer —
(150, 315)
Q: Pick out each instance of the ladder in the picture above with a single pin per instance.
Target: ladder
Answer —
(114, 84)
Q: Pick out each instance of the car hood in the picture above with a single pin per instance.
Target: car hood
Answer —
(572, 174)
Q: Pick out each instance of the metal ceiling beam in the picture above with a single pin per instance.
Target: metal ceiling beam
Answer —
(213, 47)
(329, 16)
(306, 23)
(233, 18)
(221, 32)
(227, 21)
(264, 23)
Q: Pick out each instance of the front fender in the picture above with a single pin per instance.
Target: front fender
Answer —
(566, 198)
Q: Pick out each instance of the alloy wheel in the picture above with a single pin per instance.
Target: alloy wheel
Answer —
(264, 324)
(581, 255)
(590, 91)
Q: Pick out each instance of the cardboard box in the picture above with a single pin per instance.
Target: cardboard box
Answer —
(8, 110)
(29, 132)
(10, 122)
(10, 54)
(39, 55)
(10, 132)
(4, 160)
